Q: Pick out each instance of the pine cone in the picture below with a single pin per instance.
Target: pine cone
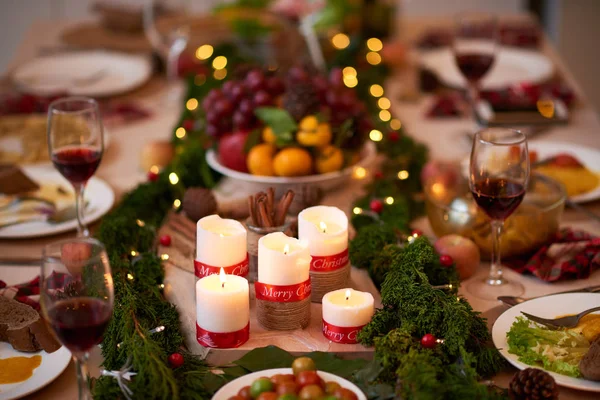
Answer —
(300, 100)
(532, 384)
(198, 203)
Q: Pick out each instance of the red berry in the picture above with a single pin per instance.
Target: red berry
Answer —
(165, 240)
(378, 175)
(188, 124)
(393, 136)
(175, 360)
(416, 232)
(446, 260)
(428, 341)
(152, 176)
(376, 206)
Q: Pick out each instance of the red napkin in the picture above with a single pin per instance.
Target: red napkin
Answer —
(519, 34)
(24, 292)
(571, 255)
(113, 113)
(522, 97)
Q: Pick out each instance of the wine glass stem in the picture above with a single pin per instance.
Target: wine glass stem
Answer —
(82, 230)
(495, 278)
(82, 378)
(473, 97)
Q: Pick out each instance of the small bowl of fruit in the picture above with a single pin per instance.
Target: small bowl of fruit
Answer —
(301, 128)
(301, 382)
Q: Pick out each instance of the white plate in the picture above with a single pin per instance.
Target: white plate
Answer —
(52, 366)
(326, 181)
(511, 66)
(117, 73)
(546, 307)
(99, 196)
(589, 157)
(233, 387)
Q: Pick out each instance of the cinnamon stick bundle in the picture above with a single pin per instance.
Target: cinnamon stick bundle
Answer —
(265, 213)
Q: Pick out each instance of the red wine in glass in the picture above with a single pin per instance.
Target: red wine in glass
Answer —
(77, 164)
(498, 197)
(80, 322)
(474, 66)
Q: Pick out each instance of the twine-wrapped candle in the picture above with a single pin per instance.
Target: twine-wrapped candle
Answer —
(220, 243)
(283, 287)
(326, 231)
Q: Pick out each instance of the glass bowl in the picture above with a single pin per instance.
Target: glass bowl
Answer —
(451, 209)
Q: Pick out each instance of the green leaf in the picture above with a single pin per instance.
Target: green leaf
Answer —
(265, 358)
(252, 140)
(277, 119)
(328, 362)
(343, 133)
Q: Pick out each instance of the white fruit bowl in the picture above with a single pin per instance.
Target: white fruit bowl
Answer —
(326, 182)
(233, 387)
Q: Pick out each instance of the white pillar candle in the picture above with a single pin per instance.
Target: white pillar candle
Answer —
(325, 229)
(282, 260)
(220, 242)
(222, 303)
(348, 308)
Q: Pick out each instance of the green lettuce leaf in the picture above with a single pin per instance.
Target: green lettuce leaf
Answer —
(554, 350)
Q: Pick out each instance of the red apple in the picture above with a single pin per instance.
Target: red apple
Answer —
(231, 151)
(463, 251)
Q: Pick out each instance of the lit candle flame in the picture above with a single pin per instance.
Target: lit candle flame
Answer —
(222, 277)
(323, 226)
(286, 248)
(348, 294)
(221, 235)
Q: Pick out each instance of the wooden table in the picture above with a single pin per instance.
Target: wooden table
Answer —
(120, 168)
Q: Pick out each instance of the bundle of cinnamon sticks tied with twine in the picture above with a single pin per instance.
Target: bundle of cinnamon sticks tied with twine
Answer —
(264, 213)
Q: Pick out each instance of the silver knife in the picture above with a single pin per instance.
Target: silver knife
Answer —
(513, 300)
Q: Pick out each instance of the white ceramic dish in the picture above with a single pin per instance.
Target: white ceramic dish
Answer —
(546, 307)
(589, 157)
(52, 366)
(511, 66)
(326, 181)
(92, 73)
(233, 387)
(99, 196)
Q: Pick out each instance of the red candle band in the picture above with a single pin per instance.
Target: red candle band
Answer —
(240, 269)
(282, 294)
(341, 334)
(227, 340)
(329, 263)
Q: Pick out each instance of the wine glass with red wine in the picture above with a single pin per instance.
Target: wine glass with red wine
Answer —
(474, 48)
(76, 144)
(76, 297)
(499, 174)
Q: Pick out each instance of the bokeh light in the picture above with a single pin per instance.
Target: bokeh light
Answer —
(373, 58)
(374, 44)
(205, 51)
(376, 90)
(340, 41)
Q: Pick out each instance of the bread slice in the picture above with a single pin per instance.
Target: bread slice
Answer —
(23, 328)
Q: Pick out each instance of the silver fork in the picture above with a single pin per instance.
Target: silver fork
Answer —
(564, 322)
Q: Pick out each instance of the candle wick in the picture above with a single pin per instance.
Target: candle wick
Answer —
(223, 285)
(347, 298)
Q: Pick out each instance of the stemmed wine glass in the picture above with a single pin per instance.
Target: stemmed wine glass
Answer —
(168, 43)
(76, 144)
(474, 48)
(499, 173)
(76, 297)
